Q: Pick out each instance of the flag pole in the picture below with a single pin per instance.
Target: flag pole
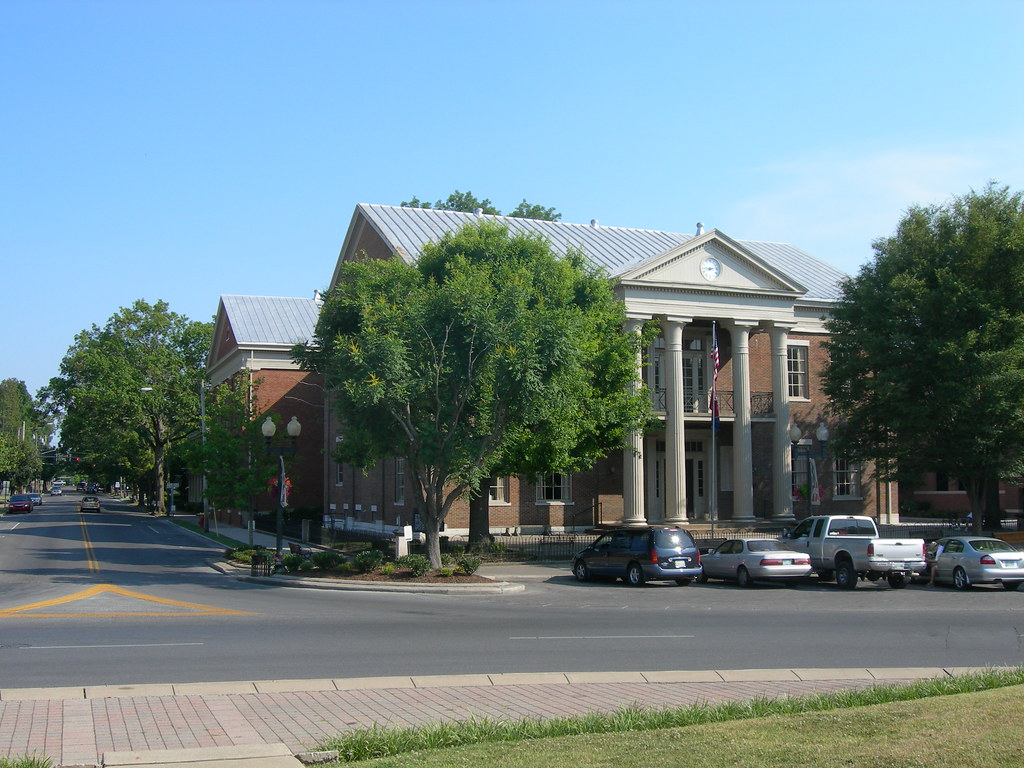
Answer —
(714, 426)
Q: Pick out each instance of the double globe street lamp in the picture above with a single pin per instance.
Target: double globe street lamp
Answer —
(269, 429)
(822, 433)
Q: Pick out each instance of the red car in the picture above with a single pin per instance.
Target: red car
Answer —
(19, 502)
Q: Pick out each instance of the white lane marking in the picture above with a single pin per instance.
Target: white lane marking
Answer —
(602, 637)
(129, 645)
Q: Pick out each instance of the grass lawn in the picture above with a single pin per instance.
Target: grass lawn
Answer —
(966, 730)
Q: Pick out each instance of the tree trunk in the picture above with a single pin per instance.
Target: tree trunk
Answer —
(158, 477)
(480, 515)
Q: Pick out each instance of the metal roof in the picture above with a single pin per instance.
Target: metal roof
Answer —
(266, 320)
(407, 230)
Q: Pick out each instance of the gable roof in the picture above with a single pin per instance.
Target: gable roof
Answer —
(618, 249)
(264, 321)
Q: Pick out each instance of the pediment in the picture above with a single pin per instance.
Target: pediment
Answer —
(712, 262)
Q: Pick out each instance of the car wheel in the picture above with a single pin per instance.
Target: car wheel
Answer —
(743, 577)
(960, 579)
(897, 580)
(635, 575)
(686, 582)
(581, 571)
(846, 577)
(1013, 586)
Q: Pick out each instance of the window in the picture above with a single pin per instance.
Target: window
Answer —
(796, 365)
(499, 490)
(847, 479)
(399, 480)
(339, 474)
(554, 487)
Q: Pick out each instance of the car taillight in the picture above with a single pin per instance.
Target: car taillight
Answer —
(871, 548)
(767, 561)
(802, 561)
(987, 560)
(654, 557)
(698, 557)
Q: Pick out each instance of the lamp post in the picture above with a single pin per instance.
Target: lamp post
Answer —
(822, 433)
(269, 429)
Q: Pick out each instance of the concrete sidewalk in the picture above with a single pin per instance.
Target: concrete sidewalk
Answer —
(264, 724)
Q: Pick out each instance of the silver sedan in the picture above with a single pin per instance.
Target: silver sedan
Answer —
(748, 560)
(968, 560)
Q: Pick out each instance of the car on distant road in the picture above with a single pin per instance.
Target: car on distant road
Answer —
(89, 504)
(637, 554)
(747, 560)
(81, 486)
(19, 502)
(37, 500)
(969, 560)
(56, 491)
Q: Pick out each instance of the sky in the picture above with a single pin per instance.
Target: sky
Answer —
(179, 150)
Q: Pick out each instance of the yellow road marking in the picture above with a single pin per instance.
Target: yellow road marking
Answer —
(90, 553)
(197, 609)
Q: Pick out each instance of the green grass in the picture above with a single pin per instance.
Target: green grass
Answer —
(228, 542)
(969, 721)
(25, 762)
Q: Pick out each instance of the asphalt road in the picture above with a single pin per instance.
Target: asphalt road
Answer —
(120, 597)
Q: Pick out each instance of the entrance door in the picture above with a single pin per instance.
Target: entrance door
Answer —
(694, 384)
(696, 490)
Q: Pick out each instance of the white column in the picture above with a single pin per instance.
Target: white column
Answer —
(633, 456)
(782, 453)
(743, 455)
(675, 445)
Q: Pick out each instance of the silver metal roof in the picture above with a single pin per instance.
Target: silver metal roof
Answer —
(268, 320)
(407, 230)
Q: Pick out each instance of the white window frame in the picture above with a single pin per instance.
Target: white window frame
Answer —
(798, 382)
(339, 474)
(399, 481)
(847, 475)
(554, 488)
(499, 491)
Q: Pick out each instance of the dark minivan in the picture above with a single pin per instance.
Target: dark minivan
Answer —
(639, 554)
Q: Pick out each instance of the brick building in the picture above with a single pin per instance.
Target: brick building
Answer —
(252, 341)
(765, 304)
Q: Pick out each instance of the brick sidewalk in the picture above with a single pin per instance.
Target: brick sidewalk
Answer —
(77, 726)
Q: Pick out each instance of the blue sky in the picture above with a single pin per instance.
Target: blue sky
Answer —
(184, 150)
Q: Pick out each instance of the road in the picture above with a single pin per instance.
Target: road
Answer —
(119, 598)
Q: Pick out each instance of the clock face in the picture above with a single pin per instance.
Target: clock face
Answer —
(710, 268)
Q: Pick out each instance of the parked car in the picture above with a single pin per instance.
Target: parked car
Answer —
(847, 548)
(640, 554)
(89, 504)
(37, 500)
(969, 560)
(19, 502)
(748, 560)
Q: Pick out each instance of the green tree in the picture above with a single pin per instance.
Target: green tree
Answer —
(231, 456)
(24, 432)
(489, 352)
(926, 363)
(127, 392)
(466, 202)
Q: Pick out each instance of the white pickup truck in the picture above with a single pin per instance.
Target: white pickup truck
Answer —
(847, 548)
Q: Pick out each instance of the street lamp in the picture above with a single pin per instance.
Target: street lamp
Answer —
(269, 429)
(822, 433)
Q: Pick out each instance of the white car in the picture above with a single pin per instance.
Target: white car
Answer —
(748, 560)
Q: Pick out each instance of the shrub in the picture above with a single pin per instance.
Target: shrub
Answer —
(388, 569)
(344, 567)
(446, 571)
(306, 565)
(469, 564)
(368, 561)
(447, 558)
(291, 562)
(242, 555)
(325, 559)
(418, 564)
(498, 547)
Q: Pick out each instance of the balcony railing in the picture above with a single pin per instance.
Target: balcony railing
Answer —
(761, 403)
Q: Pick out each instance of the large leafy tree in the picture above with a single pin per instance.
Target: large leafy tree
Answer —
(467, 202)
(127, 392)
(489, 352)
(926, 363)
(24, 430)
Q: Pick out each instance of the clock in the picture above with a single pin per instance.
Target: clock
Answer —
(710, 268)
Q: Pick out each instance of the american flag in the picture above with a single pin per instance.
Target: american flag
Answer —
(715, 361)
